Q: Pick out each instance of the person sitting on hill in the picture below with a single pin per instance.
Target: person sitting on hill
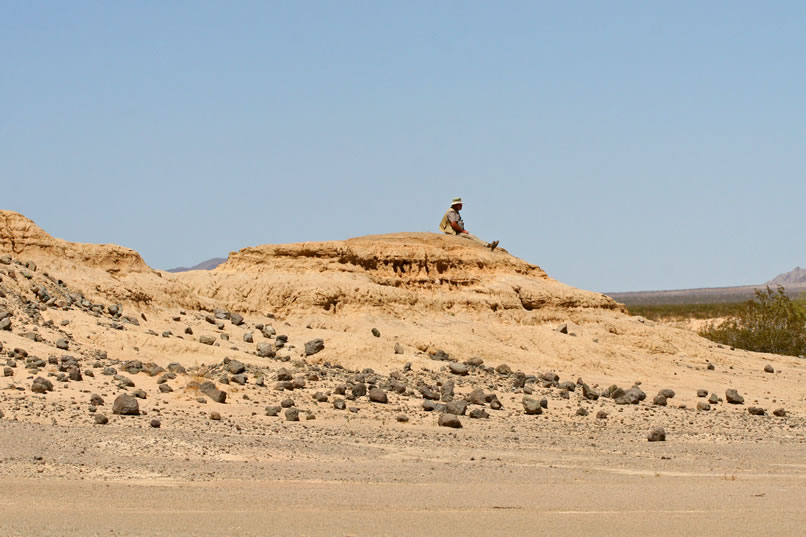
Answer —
(452, 224)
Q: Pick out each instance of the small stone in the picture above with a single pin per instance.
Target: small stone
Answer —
(658, 434)
(563, 328)
(601, 415)
(503, 369)
(164, 388)
(702, 392)
(206, 339)
(402, 418)
(292, 414)
(456, 407)
(780, 412)
(126, 405)
(532, 406)
(140, 394)
(756, 411)
(449, 420)
(667, 393)
(479, 413)
(248, 337)
(62, 344)
(659, 400)
(769, 369)
(287, 403)
(376, 332)
(314, 346)
(339, 404)
(101, 419)
(5, 324)
(459, 369)
(377, 395)
(96, 400)
(236, 319)
(266, 350)
(273, 410)
(209, 389)
(155, 423)
(713, 399)
(359, 390)
(215, 415)
(733, 397)
(8, 372)
(474, 361)
(703, 406)
(399, 349)
(711, 367)
(582, 411)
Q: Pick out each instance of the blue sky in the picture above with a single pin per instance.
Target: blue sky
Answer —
(619, 145)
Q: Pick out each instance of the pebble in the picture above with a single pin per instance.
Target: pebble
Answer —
(449, 420)
(155, 423)
(657, 434)
(733, 397)
(126, 405)
(101, 419)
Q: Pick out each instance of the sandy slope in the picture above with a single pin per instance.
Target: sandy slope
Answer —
(424, 293)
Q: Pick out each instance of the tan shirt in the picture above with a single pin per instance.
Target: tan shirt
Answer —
(451, 216)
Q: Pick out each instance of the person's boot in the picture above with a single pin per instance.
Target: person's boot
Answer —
(493, 245)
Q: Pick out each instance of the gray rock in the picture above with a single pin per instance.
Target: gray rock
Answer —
(126, 405)
(476, 397)
(101, 419)
(402, 418)
(376, 332)
(8, 372)
(601, 415)
(206, 339)
(5, 324)
(236, 366)
(449, 420)
(359, 390)
(236, 319)
(457, 407)
(703, 406)
(209, 389)
(266, 350)
(155, 423)
(273, 410)
(733, 397)
(582, 411)
(62, 344)
(319, 397)
(713, 399)
(287, 403)
(215, 415)
(563, 328)
(756, 411)
(428, 392)
(46, 385)
(702, 392)
(780, 412)
(240, 378)
(769, 369)
(177, 368)
(124, 381)
(589, 393)
(140, 394)
(339, 404)
(313, 346)
(164, 388)
(667, 393)
(474, 361)
(503, 369)
(479, 413)
(659, 400)
(283, 374)
(96, 400)
(532, 406)
(459, 369)
(377, 395)
(657, 434)
(292, 414)
(249, 337)
(399, 349)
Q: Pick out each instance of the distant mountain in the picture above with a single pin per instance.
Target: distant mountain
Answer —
(210, 264)
(794, 276)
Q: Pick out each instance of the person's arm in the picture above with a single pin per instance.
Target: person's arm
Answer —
(457, 229)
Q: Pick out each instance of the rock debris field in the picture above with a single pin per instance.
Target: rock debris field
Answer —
(389, 385)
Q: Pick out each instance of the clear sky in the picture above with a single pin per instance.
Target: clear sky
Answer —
(619, 145)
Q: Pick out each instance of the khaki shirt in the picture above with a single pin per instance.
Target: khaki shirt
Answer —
(451, 216)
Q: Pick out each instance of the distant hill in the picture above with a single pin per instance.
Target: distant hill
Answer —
(210, 264)
(794, 276)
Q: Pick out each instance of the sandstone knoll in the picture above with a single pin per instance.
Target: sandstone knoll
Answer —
(146, 381)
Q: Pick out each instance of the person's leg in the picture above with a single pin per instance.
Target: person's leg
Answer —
(473, 238)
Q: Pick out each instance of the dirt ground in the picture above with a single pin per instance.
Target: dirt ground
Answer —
(322, 479)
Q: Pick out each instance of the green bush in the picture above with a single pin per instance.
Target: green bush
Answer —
(770, 322)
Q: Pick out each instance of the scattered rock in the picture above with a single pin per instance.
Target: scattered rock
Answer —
(155, 423)
(601, 415)
(377, 395)
(96, 400)
(479, 413)
(236, 319)
(780, 412)
(292, 414)
(215, 415)
(126, 405)
(532, 406)
(582, 411)
(667, 393)
(209, 389)
(376, 332)
(703, 406)
(101, 419)
(273, 410)
(402, 418)
(399, 349)
(659, 400)
(459, 369)
(313, 346)
(657, 434)
(756, 411)
(769, 369)
(206, 339)
(733, 397)
(702, 392)
(449, 420)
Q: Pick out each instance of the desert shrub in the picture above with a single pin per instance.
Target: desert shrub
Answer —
(672, 312)
(770, 322)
